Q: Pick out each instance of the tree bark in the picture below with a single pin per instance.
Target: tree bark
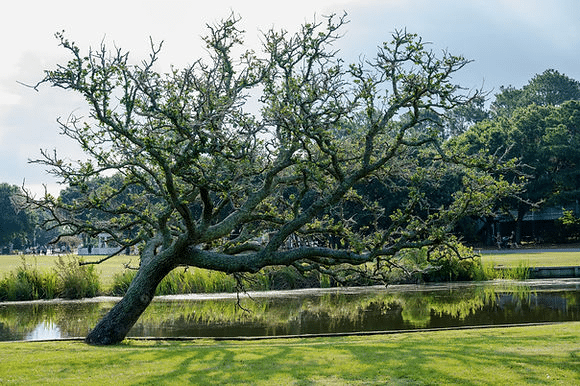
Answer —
(519, 224)
(115, 325)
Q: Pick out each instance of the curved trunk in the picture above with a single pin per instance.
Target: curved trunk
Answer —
(115, 325)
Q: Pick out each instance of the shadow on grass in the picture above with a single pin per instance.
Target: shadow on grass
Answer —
(541, 354)
(475, 357)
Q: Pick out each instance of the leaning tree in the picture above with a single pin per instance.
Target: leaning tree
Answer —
(205, 181)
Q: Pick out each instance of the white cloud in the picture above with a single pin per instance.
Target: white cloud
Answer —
(39, 190)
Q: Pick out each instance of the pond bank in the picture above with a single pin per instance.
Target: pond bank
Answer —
(549, 272)
(554, 272)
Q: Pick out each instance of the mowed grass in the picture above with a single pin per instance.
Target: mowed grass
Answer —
(106, 270)
(548, 354)
(532, 259)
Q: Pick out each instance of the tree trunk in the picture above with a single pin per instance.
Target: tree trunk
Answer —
(115, 325)
(519, 223)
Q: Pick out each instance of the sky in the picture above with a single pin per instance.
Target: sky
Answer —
(509, 42)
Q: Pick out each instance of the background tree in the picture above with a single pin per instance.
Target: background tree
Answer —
(562, 139)
(211, 185)
(461, 118)
(15, 220)
(549, 88)
(546, 140)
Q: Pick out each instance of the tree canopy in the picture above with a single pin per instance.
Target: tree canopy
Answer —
(15, 220)
(537, 124)
(203, 181)
(549, 88)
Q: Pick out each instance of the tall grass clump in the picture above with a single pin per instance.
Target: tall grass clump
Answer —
(28, 283)
(189, 280)
(520, 272)
(196, 280)
(76, 280)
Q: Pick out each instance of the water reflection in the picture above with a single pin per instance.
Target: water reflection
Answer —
(40, 320)
(309, 311)
(44, 330)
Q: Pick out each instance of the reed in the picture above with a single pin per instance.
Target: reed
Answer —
(77, 281)
(519, 272)
(28, 283)
(68, 280)
(187, 280)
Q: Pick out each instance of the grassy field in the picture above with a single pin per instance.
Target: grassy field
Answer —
(547, 354)
(532, 259)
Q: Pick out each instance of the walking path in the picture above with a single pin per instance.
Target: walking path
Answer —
(528, 250)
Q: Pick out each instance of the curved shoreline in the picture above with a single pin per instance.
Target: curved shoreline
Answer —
(307, 336)
(556, 283)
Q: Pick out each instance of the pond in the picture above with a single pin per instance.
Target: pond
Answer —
(313, 311)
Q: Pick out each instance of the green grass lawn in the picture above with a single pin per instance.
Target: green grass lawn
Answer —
(532, 259)
(547, 354)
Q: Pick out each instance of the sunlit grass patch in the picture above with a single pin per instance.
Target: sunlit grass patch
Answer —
(533, 259)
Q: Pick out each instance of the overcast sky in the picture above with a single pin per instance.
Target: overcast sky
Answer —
(509, 41)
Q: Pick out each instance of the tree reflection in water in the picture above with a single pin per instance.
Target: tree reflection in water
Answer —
(309, 312)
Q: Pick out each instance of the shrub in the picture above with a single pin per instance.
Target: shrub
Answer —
(448, 266)
(455, 269)
(285, 278)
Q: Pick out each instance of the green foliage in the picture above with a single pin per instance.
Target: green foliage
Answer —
(285, 278)
(547, 89)
(182, 281)
(438, 265)
(569, 225)
(453, 264)
(455, 269)
(195, 280)
(15, 219)
(121, 282)
(545, 140)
